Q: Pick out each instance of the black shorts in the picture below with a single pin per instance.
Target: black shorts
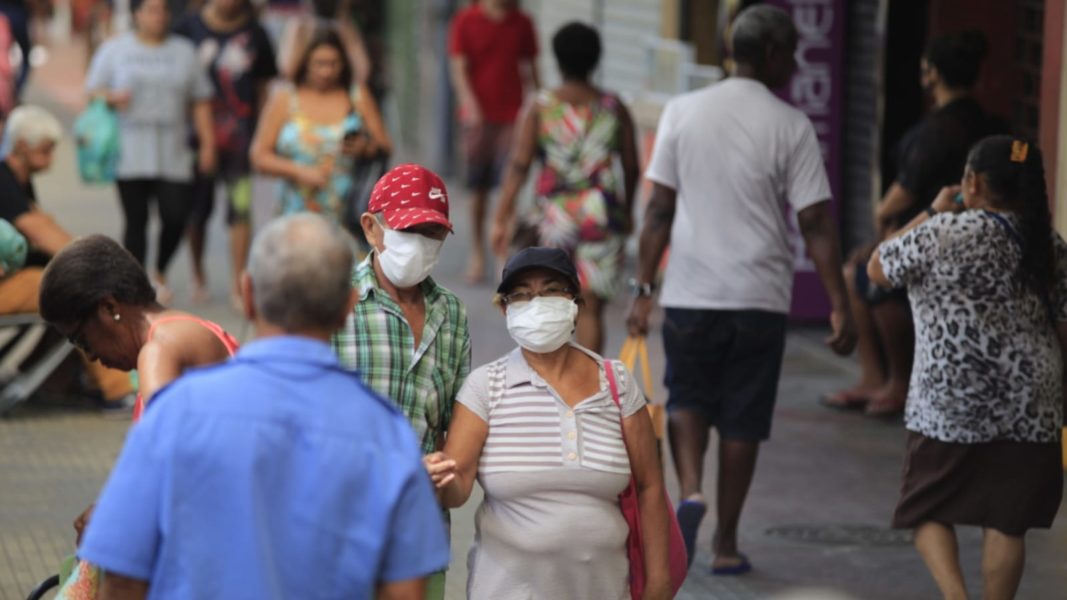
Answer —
(725, 364)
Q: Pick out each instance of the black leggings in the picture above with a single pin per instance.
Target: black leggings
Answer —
(174, 204)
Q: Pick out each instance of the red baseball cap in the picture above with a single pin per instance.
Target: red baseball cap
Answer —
(409, 195)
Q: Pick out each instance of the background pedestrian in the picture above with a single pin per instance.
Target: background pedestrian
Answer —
(153, 79)
(493, 49)
(727, 158)
(577, 132)
(237, 54)
(311, 135)
(932, 156)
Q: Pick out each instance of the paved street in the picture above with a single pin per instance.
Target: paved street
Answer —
(822, 496)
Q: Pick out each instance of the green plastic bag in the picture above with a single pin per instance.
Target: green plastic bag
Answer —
(13, 249)
(96, 132)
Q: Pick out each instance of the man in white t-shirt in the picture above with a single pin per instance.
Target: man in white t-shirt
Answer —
(728, 161)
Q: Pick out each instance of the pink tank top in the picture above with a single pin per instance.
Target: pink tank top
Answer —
(227, 340)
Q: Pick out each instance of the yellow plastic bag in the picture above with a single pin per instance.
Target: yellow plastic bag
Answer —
(1064, 444)
(634, 354)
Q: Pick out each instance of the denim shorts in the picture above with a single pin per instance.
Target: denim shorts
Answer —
(725, 365)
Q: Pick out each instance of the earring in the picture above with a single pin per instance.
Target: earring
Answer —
(118, 317)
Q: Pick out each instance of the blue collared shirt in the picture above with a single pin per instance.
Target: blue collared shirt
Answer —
(274, 475)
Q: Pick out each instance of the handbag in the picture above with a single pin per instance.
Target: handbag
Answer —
(678, 564)
(365, 172)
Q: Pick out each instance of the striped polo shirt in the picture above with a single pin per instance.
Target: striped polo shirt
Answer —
(532, 429)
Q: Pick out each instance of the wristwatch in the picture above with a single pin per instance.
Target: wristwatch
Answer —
(642, 290)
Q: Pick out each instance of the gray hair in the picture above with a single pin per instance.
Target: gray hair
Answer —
(758, 26)
(301, 270)
(32, 125)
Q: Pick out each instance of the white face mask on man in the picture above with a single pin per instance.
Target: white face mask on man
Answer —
(408, 258)
(543, 324)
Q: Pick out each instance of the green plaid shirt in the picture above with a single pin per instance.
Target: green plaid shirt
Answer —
(377, 341)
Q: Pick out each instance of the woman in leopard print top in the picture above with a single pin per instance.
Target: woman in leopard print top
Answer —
(987, 281)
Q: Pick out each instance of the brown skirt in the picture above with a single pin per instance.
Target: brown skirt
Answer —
(1004, 485)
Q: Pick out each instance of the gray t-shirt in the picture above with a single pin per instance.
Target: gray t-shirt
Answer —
(163, 80)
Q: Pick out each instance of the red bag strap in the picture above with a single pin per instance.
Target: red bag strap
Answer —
(609, 372)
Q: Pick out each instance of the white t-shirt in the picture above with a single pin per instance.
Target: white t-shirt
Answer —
(736, 155)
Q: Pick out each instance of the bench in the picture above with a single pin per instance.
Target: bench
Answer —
(20, 334)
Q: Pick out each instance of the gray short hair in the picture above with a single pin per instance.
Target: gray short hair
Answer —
(301, 270)
(758, 26)
(33, 125)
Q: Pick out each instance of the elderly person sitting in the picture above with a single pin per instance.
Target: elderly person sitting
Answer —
(278, 474)
(539, 429)
(30, 137)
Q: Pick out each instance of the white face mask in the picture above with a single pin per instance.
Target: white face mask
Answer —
(408, 258)
(542, 325)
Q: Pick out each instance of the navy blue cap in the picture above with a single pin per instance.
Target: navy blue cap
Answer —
(552, 259)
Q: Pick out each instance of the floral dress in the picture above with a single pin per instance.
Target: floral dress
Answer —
(578, 191)
(309, 142)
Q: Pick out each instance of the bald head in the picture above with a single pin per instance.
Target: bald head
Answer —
(300, 269)
(758, 29)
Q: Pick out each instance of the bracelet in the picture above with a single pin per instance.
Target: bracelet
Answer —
(930, 211)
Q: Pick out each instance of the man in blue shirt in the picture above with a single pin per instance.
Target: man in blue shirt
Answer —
(277, 475)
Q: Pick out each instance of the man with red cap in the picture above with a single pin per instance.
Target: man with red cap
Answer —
(408, 336)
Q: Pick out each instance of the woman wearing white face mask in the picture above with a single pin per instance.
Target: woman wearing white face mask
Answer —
(540, 431)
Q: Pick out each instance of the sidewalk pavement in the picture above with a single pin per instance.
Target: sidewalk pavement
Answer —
(817, 512)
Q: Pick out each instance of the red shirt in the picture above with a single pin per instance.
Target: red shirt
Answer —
(494, 50)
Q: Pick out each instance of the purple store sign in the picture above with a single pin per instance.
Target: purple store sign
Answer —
(817, 89)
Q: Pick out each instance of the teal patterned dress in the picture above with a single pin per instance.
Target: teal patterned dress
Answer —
(309, 142)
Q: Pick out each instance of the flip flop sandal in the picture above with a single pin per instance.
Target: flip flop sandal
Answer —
(739, 569)
(690, 513)
(843, 401)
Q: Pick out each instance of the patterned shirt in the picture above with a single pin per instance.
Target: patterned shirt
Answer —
(988, 365)
(377, 341)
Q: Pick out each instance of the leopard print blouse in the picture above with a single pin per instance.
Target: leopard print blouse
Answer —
(988, 364)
